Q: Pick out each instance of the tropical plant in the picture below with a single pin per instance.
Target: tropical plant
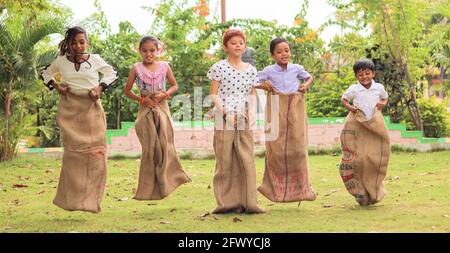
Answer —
(19, 62)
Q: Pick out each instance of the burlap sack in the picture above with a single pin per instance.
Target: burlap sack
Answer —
(365, 156)
(286, 177)
(235, 178)
(160, 170)
(84, 168)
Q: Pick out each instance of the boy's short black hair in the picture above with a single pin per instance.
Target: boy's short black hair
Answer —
(364, 64)
(275, 42)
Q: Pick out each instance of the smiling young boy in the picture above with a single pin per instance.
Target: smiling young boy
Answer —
(366, 94)
(364, 139)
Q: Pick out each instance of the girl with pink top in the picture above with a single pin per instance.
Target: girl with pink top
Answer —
(160, 168)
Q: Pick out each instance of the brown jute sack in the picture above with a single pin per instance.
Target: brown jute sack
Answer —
(160, 170)
(84, 168)
(286, 176)
(365, 155)
(235, 178)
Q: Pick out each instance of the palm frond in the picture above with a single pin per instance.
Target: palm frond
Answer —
(46, 58)
(30, 37)
(6, 38)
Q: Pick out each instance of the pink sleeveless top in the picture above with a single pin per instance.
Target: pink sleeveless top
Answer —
(148, 81)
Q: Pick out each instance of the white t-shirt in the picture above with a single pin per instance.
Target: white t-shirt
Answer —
(84, 79)
(234, 85)
(365, 99)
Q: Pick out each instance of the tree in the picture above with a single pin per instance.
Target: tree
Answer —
(399, 37)
(19, 61)
(120, 50)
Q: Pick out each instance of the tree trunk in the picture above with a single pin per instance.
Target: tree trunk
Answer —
(118, 114)
(396, 53)
(413, 107)
(6, 147)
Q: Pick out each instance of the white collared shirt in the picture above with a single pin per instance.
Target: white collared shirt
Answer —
(366, 99)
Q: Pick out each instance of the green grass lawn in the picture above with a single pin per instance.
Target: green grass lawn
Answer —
(418, 200)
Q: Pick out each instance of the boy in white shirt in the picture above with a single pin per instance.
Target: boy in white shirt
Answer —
(365, 140)
(366, 94)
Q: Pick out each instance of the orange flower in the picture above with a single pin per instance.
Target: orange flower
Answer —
(298, 21)
(299, 40)
(311, 35)
(204, 27)
(203, 8)
(326, 56)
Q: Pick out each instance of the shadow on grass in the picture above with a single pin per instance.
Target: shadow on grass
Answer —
(366, 208)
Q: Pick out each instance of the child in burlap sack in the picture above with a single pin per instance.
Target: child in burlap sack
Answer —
(160, 168)
(82, 121)
(365, 141)
(286, 176)
(231, 88)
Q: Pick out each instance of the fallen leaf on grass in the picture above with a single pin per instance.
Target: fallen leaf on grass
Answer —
(270, 204)
(236, 219)
(427, 173)
(49, 171)
(41, 192)
(19, 185)
(209, 187)
(123, 199)
(151, 204)
(16, 202)
(446, 216)
(327, 205)
(331, 192)
(173, 210)
(164, 222)
(215, 217)
(205, 214)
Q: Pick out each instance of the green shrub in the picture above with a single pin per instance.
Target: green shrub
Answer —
(435, 117)
(324, 99)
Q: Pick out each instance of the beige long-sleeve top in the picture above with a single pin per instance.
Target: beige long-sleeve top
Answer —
(81, 80)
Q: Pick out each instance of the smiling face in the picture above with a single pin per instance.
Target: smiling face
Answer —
(282, 53)
(79, 44)
(148, 51)
(365, 77)
(235, 46)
